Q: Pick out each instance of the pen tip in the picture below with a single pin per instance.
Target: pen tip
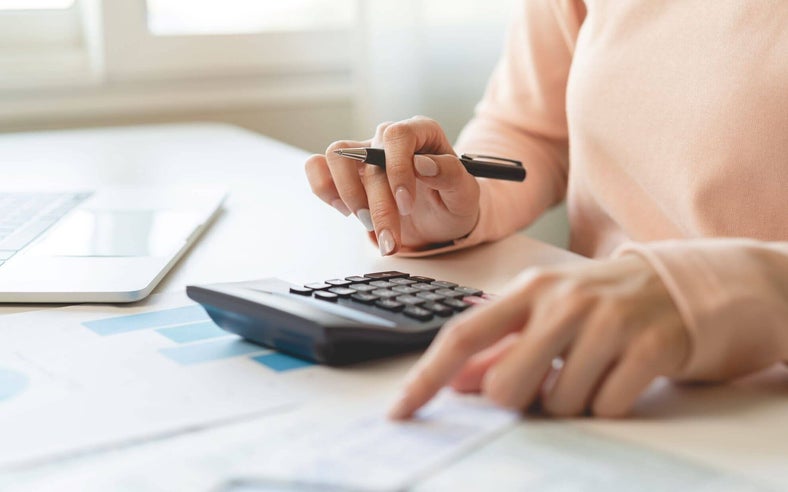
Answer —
(339, 152)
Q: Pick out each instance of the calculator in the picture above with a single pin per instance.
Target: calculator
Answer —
(341, 320)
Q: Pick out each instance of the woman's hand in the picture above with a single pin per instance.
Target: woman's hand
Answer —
(416, 201)
(612, 322)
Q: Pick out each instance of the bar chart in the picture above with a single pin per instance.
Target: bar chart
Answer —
(12, 383)
(197, 339)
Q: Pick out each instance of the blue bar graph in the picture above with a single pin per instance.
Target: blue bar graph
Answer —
(209, 351)
(281, 362)
(144, 321)
(194, 332)
(12, 383)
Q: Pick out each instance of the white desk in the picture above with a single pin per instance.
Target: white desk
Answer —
(272, 226)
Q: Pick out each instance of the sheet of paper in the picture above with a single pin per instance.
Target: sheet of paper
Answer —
(459, 444)
(88, 378)
(373, 453)
(346, 446)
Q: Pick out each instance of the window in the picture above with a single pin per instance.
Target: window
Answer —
(53, 41)
(206, 17)
(186, 38)
(37, 23)
(40, 42)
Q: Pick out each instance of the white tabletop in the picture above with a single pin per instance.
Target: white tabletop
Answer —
(271, 225)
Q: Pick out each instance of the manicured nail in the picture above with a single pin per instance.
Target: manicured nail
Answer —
(404, 201)
(386, 242)
(365, 219)
(340, 205)
(425, 166)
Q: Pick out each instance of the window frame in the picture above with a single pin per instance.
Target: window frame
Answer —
(132, 52)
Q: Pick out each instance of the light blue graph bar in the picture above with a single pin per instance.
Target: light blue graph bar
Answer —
(281, 362)
(144, 321)
(193, 332)
(12, 383)
(209, 351)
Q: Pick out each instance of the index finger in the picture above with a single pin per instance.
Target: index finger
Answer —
(471, 332)
(401, 141)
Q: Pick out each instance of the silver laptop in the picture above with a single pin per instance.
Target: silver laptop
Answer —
(109, 245)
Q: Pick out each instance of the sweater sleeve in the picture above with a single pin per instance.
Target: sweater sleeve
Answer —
(733, 297)
(523, 116)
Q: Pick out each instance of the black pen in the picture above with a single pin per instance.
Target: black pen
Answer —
(492, 167)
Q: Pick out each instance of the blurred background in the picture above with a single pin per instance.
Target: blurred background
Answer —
(306, 72)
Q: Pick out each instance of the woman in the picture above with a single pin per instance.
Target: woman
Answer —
(665, 127)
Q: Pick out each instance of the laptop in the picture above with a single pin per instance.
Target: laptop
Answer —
(107, 245)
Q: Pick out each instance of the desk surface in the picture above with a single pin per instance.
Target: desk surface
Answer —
(271, 225)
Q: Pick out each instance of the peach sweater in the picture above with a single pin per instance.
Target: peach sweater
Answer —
(665, 127)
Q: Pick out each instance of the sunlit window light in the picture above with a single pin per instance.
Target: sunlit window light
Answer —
(35, 4)
(190, 17)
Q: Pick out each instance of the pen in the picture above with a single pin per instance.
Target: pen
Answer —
(492, 167)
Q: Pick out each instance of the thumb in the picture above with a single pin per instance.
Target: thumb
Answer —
(446, 174)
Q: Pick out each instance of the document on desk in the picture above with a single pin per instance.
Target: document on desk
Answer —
(372, 453)
(85, 378)
(332, 446)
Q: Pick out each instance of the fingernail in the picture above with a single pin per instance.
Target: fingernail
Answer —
(386, 242)
(340, 205)
(365, 219)
(425, 166)
(404, 201)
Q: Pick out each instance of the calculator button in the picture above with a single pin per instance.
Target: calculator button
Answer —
(364, 298)
(385, 275)
(356, 278)
(410, 300)
(417, 313)
(430, 296)
(317, 286)
(404, 289)
(402, 281)
(424, 287)
(362, 287)
(438, 309)
(456, 304)
(384, 293)
(419, 278)
(448, 293)
(302, 291)
(382, 284)
(326, 296)
(443, 285)
(468, 291)
(338, 282)
(390, 305)
(344, 291)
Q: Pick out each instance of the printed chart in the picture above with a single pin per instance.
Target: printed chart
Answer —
(110, 376)
(199, 339)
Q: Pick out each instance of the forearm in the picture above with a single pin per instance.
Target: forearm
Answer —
(733, 297)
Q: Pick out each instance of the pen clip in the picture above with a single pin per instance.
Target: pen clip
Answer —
(496, 160)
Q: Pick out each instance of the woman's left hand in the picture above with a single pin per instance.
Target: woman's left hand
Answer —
(612, 322)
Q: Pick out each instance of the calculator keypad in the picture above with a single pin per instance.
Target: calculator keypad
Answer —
(419, 298)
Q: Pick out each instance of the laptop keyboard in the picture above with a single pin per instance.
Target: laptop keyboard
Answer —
(24, 216)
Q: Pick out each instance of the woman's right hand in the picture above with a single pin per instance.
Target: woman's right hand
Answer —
(416, 201)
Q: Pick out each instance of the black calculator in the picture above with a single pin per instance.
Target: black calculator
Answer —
(341, 320)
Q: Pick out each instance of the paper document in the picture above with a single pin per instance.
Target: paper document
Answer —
(376, 454)
(84, 378)
(344, 446)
